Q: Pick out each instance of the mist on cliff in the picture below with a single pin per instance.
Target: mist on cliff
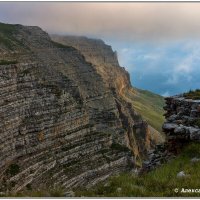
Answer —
(158, 43)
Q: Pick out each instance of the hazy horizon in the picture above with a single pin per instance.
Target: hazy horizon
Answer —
(158, 43)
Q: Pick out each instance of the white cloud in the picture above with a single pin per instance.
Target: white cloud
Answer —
(125, 21)
(187, 66)
(166, 94)
(125, 50)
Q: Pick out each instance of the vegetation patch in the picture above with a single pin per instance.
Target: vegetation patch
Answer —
(197, 122)
(119, 147)
(160, 182)
(13, 169)
(47, 192)
(6, 35)
(8, 62)
(7, 29)
(62, 46)
(192, 94)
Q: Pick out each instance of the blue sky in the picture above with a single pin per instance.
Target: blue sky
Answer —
(158, 43)
(166, 69)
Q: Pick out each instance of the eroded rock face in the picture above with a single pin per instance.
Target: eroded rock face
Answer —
(61, 123)
(116, 79)
(103, 59)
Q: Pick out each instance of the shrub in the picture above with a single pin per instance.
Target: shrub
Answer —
(119, 147)
(192, 94)
(13, 169)
(197, 122)
(8, 62)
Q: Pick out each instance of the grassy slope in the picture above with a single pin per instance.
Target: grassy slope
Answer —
(6, 35)
(150, 106)
(160, 182)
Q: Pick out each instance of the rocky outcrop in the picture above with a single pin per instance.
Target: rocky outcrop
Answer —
(182, 120)
(182, 126)
(62, 123)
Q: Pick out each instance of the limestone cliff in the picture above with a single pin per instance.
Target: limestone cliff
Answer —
(117, 79)
(63, 122)
(102, 57)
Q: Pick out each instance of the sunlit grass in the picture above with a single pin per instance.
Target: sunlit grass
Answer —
(150, 106)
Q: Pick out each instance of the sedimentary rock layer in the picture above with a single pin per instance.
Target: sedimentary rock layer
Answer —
(61, 123)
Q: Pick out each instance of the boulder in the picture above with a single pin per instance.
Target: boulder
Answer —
(194, 160)
(172, 118)
(169, 126)
(119, 189)
(181, 174)
(195, 135)
(180, 130)
(69, 194)
(193, 113)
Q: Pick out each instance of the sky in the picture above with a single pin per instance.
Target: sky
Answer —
(158, 43)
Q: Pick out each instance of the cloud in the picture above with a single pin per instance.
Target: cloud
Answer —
(166, 94)
(172, 67)
(125, 21)
(187, 65)
(153, 40)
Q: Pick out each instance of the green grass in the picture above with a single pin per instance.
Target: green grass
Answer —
(150, 106)
(6, 34)
(160, 182)
(8, 37)
(7, 28)
(192, 94)
(62, 46)
(47, 192)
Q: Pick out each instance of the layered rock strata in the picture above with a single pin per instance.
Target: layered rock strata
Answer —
(61, 123)
(116, 79)
(182, 120)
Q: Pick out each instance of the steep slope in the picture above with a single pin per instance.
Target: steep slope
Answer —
(150, 106)
(61, 123)
(147, 104)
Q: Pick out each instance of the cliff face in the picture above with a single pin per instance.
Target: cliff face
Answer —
(62, 122)
(102, 57)
(117, 79)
